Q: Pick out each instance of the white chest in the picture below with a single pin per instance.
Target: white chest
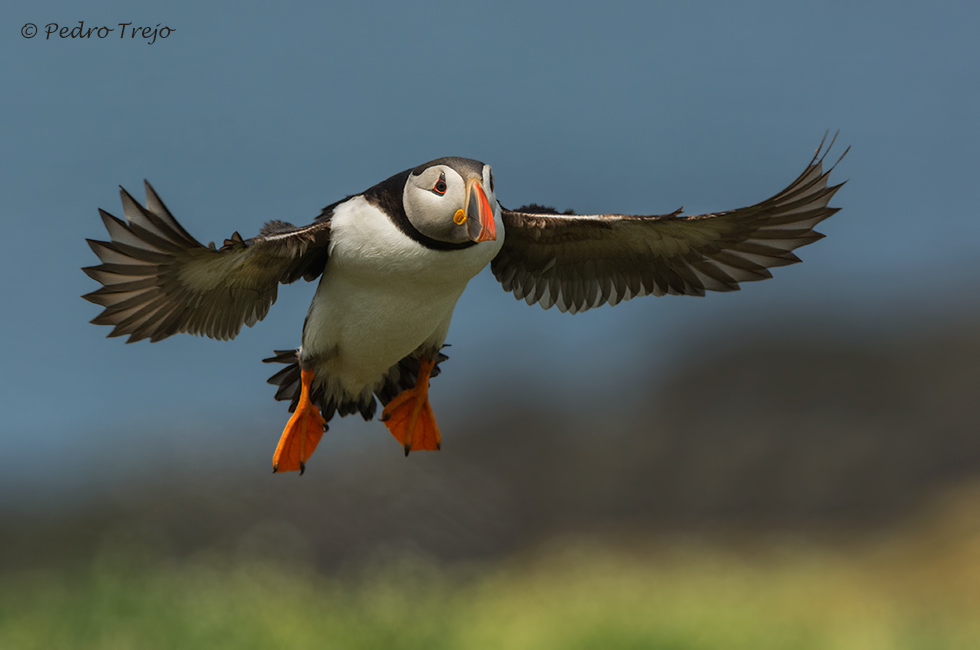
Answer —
(382, 295)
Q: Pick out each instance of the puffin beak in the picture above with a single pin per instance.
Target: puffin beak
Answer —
(479, 215)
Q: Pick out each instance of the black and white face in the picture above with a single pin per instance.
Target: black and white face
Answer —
(447, 200)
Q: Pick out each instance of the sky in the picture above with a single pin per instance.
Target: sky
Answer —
(247, 112)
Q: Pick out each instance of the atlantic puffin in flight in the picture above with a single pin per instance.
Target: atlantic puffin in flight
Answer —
(392, 262)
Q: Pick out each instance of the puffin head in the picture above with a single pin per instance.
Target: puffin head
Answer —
(447, 199)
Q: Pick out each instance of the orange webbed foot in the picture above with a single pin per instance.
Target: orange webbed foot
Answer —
(409, 415)
(302, 433)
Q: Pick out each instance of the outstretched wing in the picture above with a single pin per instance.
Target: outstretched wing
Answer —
(578, 262)
(157, 280)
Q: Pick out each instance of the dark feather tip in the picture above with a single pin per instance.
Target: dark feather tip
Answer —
(535, 208)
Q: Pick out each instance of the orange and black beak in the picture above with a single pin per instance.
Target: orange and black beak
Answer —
(479, 215)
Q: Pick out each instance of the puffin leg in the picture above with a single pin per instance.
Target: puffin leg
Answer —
(409, 416)
(302, 433)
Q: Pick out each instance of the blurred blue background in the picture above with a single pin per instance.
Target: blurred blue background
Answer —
(256, 111)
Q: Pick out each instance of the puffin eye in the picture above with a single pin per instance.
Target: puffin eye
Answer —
(440, 186)
(491, 181)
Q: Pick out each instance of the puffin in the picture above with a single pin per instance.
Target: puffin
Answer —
(393, 261)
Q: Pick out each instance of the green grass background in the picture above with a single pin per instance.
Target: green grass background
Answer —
(823, 501)
(915, 588)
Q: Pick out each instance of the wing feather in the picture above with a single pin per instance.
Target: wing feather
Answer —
(578, 262)
(157, 280)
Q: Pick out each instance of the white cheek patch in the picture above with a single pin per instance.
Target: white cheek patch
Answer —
(431, 213)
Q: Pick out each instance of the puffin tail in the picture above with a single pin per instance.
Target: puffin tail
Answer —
(401, 376)
(290, 384)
